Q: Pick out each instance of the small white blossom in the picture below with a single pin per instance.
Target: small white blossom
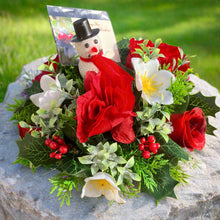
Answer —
(51, 91)
(153, 82)
(102, 184)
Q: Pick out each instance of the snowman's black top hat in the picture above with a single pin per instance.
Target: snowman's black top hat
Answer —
(83, 30)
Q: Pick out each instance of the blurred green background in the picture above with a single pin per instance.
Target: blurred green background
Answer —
(193, 25)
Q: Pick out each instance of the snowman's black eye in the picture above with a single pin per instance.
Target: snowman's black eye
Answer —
(86, 45)
(95, 41)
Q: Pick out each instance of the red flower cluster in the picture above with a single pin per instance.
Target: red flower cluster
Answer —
(56, 59)
(170, 52)
(107, 105)
(189, 129)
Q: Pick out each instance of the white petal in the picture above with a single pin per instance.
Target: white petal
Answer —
(138, 81)
(46, 98)
(151, 67)
(45, 82)
(35, 98)
(90, 191)
(164, 76)
(58, 82)
(113, 196)
(137, 64)
(168, 98)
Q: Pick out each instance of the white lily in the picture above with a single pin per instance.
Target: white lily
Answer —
(102, 184)
(153, 82)
(43, 99)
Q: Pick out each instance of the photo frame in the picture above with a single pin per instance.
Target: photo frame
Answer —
(61, 21)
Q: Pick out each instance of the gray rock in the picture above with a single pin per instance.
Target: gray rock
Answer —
(25, 196)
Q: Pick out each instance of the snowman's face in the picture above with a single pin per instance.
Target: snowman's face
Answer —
(89, 47)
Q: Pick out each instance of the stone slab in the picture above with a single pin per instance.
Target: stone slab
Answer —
(25, 196)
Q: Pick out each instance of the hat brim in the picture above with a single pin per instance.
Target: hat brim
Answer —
(94, 33)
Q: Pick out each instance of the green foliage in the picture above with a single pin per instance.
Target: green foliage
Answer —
(165, 184)
(23, 109)
(209, 128)
(126, 174)
(180, 89)
(207, 104)
(150, 122)
(178, 174)
(35, 88)
(123, 47)
(102, 157)
(147, 168)
(148, 53)
(71, 166)
(26, 163)
(72, 72)
(34, 150)
(64, 183)
(174, 150)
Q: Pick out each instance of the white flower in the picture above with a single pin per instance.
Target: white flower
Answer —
(43, 99)
(153, 83)
(101, 184)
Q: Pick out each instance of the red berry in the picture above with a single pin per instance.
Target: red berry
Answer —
(58, 156)
(60, 141)
(141, 146)
(56, 137)
(151, 139)
(63, 149)
(52, 155)
(152, 147)
(146, 154)
(143, 140)
(48, 141)
(53, 145)
(157, 145)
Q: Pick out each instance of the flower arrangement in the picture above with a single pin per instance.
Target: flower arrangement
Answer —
(113, 134)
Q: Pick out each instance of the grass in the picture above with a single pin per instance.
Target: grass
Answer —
(193, 25)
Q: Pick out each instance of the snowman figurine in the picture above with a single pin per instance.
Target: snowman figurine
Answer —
(87, 44)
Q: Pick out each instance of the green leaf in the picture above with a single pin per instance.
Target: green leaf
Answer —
(120, 180)
(123, 47)
(35, 88)
(209, 128)
(86, 159)
(63, 80)
(35, 150)
(120, 160)
(69, 85)
(130, 163)
(113, 148)
(41, 111)
(24, 124)
(94, 169)
(135, 176)
(174, 150)
(157, 42)
(165, 184)
(207, 104)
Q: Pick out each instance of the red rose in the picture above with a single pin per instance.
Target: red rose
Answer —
(170, 52)
(38, 77)
(23, 131)
(189, 129)
(106, 106)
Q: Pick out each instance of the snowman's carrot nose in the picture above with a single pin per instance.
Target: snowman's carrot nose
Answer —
(94, 50)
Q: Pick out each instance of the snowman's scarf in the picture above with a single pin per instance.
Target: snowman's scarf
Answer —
(105, 64)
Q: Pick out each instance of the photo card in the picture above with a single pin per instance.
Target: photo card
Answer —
(61, 21)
